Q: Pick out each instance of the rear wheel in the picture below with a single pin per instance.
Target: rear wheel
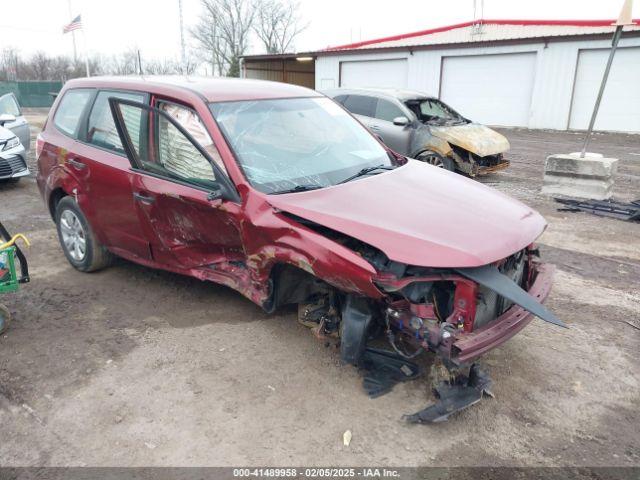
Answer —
(80, 245)
(437, 160)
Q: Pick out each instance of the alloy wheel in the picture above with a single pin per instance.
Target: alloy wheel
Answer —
(73, 235)
(433, 159)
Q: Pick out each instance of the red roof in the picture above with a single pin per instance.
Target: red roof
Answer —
(393, 38)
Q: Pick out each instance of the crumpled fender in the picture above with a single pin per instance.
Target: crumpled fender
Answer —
(425, 141)
(272, 238)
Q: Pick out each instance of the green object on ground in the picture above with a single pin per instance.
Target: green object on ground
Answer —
(8, 276)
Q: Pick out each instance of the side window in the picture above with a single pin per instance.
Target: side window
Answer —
(190, 121)
(9, 105)
(387, 111)
(69, 111)
(101, 129)
(165, 149)
(340, 98)
(361, 105)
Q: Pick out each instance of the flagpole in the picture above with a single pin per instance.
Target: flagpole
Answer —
(86, 53)
(73, 35)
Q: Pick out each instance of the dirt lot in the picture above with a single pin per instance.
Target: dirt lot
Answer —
(132, 366)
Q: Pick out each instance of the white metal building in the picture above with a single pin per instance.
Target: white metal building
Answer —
(536, 74)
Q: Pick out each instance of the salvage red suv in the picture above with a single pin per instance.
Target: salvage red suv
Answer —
(279, 193)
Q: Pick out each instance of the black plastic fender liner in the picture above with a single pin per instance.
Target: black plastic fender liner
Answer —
(357, 314)
(490, 277)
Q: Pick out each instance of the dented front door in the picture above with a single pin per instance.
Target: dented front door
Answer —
(174, 184)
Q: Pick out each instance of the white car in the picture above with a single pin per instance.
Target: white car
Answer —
(13, 157)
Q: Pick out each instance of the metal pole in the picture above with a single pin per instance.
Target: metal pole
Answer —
(614, 45)
(182, 50)
(86, 54)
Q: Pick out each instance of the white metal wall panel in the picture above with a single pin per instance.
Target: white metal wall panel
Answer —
(620, 106)
(552, 86)
(490, 89)
(374, 73)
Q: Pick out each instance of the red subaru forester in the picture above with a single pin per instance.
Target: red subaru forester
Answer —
(276, 191)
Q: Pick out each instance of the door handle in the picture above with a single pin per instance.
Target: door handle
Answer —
(76, 164)
(142, 198)
(374, 127)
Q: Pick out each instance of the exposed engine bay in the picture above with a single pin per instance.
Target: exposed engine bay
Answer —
(450, 312)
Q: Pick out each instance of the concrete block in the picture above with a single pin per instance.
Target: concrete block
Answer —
(572, 176)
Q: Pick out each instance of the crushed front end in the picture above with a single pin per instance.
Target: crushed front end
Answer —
(458, 314)
(474, 165)
(447, 313)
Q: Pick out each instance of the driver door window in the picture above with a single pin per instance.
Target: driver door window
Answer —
(387, 111)
(190, 121)
(168, 152)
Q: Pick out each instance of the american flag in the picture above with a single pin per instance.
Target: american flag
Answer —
(76, 24)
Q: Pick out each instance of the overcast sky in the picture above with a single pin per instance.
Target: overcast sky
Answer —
(112, 26)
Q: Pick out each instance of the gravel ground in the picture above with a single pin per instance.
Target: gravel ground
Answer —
(132, 366)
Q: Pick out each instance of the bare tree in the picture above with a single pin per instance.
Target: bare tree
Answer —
(223, 32)
(39, 66)
(212, 48)
(9, 64)
(278, 24)
(125, 64)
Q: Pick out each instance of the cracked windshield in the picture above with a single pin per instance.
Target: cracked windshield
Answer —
(298, 144)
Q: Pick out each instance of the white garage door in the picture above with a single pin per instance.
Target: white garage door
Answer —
(490, 89)
(374, 73)
(620, 107)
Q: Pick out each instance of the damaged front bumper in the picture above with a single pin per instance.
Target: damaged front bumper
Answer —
(489, 169)
(461, 338)
(469, 346)
(473, 165)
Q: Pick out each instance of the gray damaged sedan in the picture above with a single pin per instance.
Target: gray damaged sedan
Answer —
(425, 128)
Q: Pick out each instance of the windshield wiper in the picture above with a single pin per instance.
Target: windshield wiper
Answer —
(366, 171)
(299, 188)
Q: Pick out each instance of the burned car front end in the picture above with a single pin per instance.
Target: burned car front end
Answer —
(469, 147)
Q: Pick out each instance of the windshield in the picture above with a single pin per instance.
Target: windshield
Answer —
(300, 143)
(434, 112)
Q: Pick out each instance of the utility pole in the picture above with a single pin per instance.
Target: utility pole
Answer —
(73, 35)
(183, 58)
(623, 19)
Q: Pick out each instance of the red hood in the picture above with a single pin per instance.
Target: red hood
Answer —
(422, 215)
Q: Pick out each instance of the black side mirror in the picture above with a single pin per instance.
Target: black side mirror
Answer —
(216, 192)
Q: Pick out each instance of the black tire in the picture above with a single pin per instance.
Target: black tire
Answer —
(75, 233)
(10, 181)
(437, 160)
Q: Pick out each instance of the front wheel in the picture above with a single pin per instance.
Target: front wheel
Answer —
(437, 160)
(79, 243)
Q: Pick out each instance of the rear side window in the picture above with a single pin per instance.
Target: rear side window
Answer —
(361, 105)
(101, 129)
(69, 112)
(340, 98)
(387, 111)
